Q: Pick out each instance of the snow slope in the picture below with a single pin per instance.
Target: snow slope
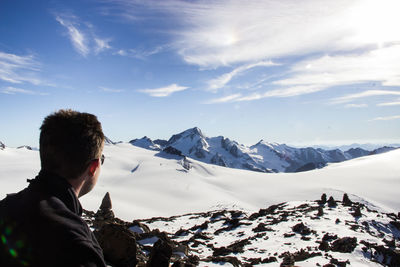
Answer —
(145, 183)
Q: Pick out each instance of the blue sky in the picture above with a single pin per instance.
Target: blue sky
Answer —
(296, 72)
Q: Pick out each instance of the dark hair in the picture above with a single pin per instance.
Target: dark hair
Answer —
(69, 140)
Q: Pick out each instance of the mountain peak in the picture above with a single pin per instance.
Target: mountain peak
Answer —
(192, 132)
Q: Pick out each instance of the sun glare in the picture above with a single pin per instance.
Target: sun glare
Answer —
(375, 21)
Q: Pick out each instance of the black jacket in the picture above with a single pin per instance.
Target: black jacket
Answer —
(42, 226)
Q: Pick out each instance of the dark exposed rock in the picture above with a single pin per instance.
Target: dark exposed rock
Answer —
(261, 227)
(388, 256)
(173, 151)
(269, 260)
(236, 247)
(303, 255)
(338, 263)
(331, 202)
(344, 245)
(118, 244)
(232, 260)
(106, 204)
(288, 259)
(396, 224)
(329, 237)
(324, 246)
(160, 254)
(2, 146)
(320, 211)
(323, 199)
(357, 212)
(346, 200)
(302, 229)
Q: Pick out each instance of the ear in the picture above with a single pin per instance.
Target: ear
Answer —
(93, 167)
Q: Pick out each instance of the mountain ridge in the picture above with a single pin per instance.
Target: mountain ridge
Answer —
(262, 156)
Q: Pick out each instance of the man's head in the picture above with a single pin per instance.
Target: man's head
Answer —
(69, 142)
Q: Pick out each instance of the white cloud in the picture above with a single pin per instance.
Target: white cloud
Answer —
(140, 53)
(217, 33)
(19, 69)
(82, 36)
(224, 99)
(163, 91)
(77, 38)
(356, 105)
(388, 118)
(101, 45)
(12, 91)
(394, 103)
(380, 65)
(110, 90)
(224, 79)
(368, 93)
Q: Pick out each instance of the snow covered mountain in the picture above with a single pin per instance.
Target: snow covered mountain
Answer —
(262, 157)
(228, 211)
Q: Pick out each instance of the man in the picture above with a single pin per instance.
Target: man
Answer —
(42, 225)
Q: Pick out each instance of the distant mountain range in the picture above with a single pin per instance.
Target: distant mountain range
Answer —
(262, 157)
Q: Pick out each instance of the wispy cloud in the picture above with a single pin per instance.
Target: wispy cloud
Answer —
(369, 93)
(110, 90)
(229, 98)
(12, 91)
(388, 118)
(82, 37)
(393, 103)
(224, 79)
(101, 45)
(163, 91)
(220, 33)
(350, 41)
(19, 69)
(376, 65)
(76, 36)
(356, 105)
(140, 53)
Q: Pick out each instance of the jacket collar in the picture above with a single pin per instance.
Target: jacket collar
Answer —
(58, 186)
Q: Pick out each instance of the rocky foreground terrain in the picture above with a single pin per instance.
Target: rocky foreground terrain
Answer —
(324, 232)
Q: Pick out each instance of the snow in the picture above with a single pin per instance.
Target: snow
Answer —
(144, 183)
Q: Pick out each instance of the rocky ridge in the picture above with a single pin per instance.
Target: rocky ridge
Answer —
(324, 232)
(262, 157)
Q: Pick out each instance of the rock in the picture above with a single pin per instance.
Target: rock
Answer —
(344, 245)
(105, 213)
(346, 200)
(357, 212)
(288, 259)
(331, 202)
(338, 263)
(2, 146)
(118, 244)
(232, 260)
(300, 228)
(324, 246)
(329, 237)
(173, 151)
(320, 211)
(262, 228)
(106, 204)
(160, 254)
(323, 199)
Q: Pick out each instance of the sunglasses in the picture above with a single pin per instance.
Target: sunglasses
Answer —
(102, 159)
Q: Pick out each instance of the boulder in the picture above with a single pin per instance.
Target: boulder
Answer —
(344, 245)
(118, 244)
(346, 200)
(160, 255)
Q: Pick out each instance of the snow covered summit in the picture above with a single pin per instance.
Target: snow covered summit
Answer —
(262, 157)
